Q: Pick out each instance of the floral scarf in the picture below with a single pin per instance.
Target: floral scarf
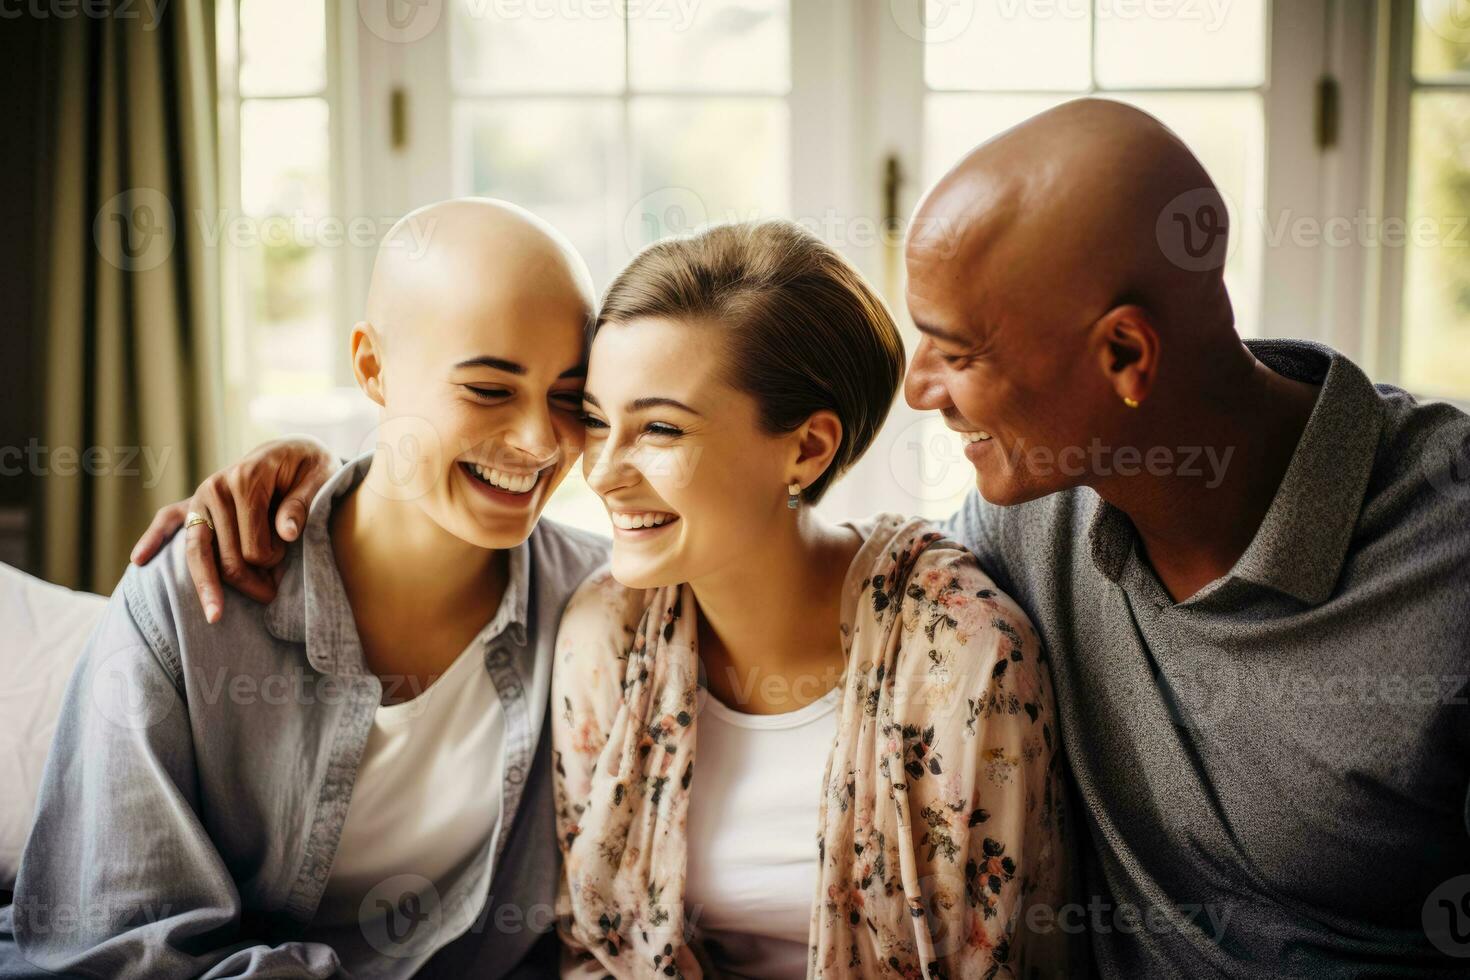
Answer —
(942, 817)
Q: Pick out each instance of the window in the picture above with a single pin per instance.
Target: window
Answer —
(621, 130)
(624, 122)
(279, 226)
(1434, 337)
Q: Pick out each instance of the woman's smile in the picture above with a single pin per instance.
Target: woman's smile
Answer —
(500, 486)
(636, 525)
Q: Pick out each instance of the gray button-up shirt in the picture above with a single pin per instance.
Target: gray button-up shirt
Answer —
(1274, 771)
(200, 775)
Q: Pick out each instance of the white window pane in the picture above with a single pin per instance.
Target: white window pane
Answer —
(1007, 46)
(537, 47)
(1176, 44)
(714, 45)
(955, 123)
(702, 161)
(1226, 131)
(287, 277)
(288, 288)
(284, 157)
(1436, 314)
(283, 47)
(1441, 39)
(557, 158)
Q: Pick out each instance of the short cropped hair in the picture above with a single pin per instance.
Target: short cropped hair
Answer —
(801, 329)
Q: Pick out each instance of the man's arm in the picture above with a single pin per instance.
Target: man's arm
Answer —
(244, 543)
(119, 877)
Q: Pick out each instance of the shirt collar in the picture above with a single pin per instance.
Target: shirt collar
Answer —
(511, 615)
(1109, 537)
(311, 604)
(1302, 543)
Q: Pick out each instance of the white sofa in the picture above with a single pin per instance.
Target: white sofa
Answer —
(43, 628)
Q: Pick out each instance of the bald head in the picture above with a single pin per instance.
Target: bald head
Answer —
(1065, 270)
(456, 261)
(474, 348)
(1071, 212)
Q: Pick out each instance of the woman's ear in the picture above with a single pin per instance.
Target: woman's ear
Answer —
(367, 360)
(817, 442)
(1127, 347)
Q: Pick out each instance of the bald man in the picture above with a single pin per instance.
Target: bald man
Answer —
(353, 779)
(1250, 565)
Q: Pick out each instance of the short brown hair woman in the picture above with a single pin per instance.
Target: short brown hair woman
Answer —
(878, 786)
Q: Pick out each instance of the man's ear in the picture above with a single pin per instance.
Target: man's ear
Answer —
(1127, 349)
(367, 360)
(817, 442)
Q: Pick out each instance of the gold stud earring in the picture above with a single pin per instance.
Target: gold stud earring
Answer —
(1130, 402)
(792, 492)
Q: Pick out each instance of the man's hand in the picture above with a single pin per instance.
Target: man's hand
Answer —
(238, 502)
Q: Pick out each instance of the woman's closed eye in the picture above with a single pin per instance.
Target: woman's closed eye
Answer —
(487, 394)
(570, 401)
(660, 429)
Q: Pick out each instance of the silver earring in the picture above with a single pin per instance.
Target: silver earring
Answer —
(792, 493)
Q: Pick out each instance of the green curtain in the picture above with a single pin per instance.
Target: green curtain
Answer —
(132, 387)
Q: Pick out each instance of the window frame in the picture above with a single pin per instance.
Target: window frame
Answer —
(856, 79)
(847, 122)
(824, 136)
(344, 189)
(1394, 89)
(1394, 51)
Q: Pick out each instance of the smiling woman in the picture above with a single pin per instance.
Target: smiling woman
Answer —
(420, 589)
(863, 683)
(806, 356)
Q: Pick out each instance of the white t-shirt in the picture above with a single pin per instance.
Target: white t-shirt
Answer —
(753, 834)
(427, 796)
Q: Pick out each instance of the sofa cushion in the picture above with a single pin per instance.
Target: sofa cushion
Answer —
(43, 629)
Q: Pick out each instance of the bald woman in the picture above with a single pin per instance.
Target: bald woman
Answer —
(354, 778)
(1251, 566)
